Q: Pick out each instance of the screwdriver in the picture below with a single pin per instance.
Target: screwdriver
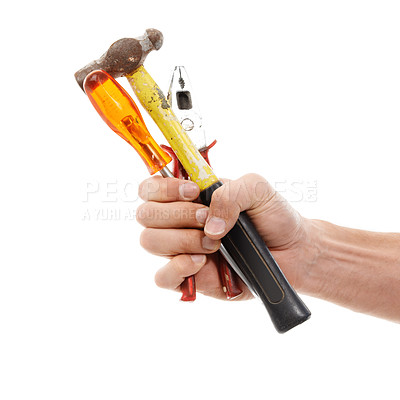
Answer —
(122, 115)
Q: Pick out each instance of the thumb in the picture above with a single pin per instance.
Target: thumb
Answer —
(249, 192)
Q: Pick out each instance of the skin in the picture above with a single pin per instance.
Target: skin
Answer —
(356, 269)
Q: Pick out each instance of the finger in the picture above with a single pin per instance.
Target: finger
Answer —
(173, 274)
(179, 214)
(206, 274)
(247, 193)
(170, 242)
(208, 281)
(161, 189)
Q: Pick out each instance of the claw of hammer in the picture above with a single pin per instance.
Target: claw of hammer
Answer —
(124, 56)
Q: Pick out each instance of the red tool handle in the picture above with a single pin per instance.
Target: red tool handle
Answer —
(228, 277)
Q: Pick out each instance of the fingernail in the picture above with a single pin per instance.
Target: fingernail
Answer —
(201, 215)
(198, 259)
(188, 191)
(215, 226)
(209, 244)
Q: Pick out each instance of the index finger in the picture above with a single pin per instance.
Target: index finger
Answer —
(161, 189)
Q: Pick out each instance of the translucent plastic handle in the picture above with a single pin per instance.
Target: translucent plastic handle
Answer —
(122, 115)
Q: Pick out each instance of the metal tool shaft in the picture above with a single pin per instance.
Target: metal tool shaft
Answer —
(166, 173)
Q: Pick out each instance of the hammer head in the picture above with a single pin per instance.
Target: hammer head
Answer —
(124, 56)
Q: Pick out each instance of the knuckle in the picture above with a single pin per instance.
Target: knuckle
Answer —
(141, 213)
(190, 241)
(149, 212)
(148, 187)
(183, 213)
(220, 197)
(187, 241)
(159, 280)
(220, 193)
(253, 177)
(171, 188)
(141, 188)
(249, 191)
(259, 188)
(184, 266)
(146, 239)
(223, 202)
(180, 265)
(252, 181)
(174, 270)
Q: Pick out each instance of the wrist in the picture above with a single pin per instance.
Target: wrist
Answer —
(352, 268)
(320, 244)
(311, 251)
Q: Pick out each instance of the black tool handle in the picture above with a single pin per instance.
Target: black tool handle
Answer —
(260, 271)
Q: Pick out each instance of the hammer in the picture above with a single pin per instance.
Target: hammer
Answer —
(243, 246)
(125, 57)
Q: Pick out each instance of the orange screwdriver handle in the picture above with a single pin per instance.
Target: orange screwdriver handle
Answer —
(122, 115)
(228, 277)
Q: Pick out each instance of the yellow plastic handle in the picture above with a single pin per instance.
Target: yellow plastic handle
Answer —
(122, 115)
(153, 100)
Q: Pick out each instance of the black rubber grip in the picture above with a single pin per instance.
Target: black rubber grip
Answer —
(261, 272)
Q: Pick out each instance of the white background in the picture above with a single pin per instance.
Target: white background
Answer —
(298, 91)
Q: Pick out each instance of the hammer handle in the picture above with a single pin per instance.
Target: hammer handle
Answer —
(259, 270)
(245, 248)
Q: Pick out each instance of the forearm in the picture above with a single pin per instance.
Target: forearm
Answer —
(353, 268)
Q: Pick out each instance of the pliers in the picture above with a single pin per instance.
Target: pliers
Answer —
(180, 98)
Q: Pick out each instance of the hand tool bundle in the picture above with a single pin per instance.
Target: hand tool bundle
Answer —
(180, 122)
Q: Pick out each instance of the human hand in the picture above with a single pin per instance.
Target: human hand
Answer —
(189, 233)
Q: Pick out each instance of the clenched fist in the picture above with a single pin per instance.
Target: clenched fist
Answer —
(189, 233)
